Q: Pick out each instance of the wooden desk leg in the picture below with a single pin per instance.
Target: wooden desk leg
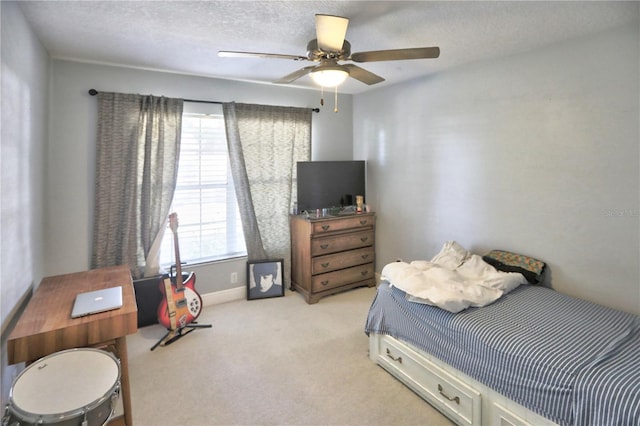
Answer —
(121, 347)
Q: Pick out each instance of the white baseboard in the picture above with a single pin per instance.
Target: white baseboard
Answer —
(236, 293)
(217, 297)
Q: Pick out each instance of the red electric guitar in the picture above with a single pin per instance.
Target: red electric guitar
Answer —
(181, 303)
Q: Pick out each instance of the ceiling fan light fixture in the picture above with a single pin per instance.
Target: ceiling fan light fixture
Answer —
(329, 75)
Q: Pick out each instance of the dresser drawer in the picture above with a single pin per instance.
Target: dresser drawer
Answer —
(350, 222)
(336, 243)
(458, 401)
(332, 262)
(344, 276)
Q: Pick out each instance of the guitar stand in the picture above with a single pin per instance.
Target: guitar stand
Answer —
(173, 335)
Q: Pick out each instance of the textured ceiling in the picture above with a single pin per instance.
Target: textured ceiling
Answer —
(185, 36)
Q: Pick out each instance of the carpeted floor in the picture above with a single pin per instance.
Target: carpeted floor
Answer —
(271, 362)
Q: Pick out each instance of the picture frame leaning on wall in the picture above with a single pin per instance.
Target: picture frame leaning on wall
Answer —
(265, 279)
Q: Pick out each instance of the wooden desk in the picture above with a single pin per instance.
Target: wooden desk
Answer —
(46, 325)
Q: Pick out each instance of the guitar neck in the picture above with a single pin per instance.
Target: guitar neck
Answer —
(176, 246)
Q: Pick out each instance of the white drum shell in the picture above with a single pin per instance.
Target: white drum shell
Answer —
(66, 388)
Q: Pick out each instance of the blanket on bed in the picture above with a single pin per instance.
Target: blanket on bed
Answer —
(454, 279)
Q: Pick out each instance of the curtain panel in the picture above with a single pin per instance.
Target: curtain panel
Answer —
(265, 143)
(138, 146)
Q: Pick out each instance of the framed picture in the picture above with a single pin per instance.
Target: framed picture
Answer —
(265, 279)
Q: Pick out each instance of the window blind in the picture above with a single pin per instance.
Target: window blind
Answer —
(209, 221)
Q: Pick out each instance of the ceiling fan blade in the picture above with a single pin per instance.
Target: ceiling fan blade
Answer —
(330, 32)
(295, 75)
(363, 75)
(396, 54)
(232, 54)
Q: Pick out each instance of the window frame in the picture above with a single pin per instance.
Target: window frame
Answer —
(233, 226)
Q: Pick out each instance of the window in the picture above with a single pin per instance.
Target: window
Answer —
(205, 200)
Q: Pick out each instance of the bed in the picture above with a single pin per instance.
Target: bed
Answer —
(531, 356)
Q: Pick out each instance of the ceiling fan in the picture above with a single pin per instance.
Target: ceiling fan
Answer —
(329, 48)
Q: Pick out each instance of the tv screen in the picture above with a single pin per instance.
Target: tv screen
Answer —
(325, 184)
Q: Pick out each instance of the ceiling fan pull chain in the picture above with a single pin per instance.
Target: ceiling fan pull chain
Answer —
(321, 95)
(335, 108)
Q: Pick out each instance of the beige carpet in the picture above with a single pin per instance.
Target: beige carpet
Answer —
(271, 362)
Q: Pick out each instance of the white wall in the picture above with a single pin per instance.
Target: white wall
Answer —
(536, 153)
(24, 91)
(24, 115)
(71, 155)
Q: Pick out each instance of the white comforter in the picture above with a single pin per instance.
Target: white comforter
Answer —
(454, 279)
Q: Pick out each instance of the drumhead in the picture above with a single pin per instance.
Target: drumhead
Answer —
(65, 381)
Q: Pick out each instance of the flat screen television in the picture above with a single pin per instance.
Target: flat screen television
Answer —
(326, 184)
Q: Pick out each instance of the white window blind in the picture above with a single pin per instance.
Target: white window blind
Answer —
(209, 222)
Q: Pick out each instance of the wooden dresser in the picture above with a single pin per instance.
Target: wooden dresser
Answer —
(332, 254)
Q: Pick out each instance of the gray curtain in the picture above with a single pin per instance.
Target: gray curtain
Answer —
(265, 142)
(137, 152)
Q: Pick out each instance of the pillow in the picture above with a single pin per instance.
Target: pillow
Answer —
(451, 255)
(506, 261)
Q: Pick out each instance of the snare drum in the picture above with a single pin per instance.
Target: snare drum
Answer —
(72, 387)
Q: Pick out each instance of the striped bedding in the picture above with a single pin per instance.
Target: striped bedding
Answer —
(569, 360)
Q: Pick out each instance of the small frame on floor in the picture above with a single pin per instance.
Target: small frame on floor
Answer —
(265, 279)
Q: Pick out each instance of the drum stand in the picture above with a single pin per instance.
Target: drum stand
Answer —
(173, 335)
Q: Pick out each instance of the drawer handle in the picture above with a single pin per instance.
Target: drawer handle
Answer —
(325, 227)
(325, 282)
(363, 273)
(324, 246)
(398, 359)
(455, 399)
(363, 222)
(364, 256)
(363, 239)
(324, 265)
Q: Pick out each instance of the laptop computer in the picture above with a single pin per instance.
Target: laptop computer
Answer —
(93, 302)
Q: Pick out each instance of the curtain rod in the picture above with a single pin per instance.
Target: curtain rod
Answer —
(94, 92)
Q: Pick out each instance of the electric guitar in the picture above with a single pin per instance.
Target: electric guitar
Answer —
(181, 304)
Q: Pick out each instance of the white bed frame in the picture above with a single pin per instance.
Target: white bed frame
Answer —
(459, 397)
